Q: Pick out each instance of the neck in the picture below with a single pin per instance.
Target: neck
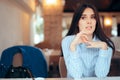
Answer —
(90, 37)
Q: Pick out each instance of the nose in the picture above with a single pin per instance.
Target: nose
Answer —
(89, 21)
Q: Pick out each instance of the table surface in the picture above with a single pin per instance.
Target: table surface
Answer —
(90, 78)
(48, 53)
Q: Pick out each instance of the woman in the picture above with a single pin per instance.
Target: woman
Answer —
(86, 49)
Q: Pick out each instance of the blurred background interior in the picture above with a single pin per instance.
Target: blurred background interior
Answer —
(43, 24)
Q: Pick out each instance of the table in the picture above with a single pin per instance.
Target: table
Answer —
(52, 56)
(90, 78)
(118, 50)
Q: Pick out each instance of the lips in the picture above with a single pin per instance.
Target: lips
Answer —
(89, 27)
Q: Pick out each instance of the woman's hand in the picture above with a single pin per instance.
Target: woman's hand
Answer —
(79, 38)
(97, 44)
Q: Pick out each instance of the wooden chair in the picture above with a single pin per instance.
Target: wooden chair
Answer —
(17, 60)
(62, 67)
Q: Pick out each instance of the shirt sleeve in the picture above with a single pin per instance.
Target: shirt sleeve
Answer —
(103, 62)
(72, 59)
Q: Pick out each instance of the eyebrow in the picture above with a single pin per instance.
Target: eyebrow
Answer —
(87, 13)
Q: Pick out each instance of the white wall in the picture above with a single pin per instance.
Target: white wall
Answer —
(14, 25)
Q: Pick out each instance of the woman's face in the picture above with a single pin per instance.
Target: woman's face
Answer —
(87, 22)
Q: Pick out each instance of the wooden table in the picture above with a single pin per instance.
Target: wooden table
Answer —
(52, 56)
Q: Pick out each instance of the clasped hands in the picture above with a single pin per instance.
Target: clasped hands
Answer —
(84, 38)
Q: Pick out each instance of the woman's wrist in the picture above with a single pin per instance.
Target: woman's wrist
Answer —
(73, 47)
(104, 46)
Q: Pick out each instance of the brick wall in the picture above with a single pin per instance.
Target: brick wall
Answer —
(52, 25)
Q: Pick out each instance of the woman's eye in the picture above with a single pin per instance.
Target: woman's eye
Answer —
(93, 17)
(82, 17)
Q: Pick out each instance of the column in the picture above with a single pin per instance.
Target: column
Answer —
(52, 13)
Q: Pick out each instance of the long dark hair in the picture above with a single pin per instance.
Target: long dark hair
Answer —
(74, 29)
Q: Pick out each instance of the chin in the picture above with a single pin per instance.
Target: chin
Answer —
(89, 33)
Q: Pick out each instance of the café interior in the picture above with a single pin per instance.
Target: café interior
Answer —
(44, 23)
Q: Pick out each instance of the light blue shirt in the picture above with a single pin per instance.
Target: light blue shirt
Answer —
(85, 62)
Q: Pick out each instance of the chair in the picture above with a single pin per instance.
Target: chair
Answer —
(31, 57)
(17, 60)
(115, 63)
(62, 67)
(116, 41)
